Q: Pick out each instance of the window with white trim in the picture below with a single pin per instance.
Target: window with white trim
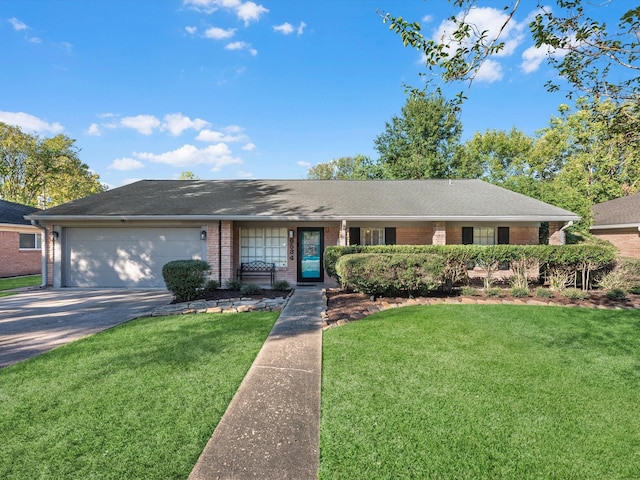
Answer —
(30, 241)
(484, 236)
(372, 236)
(264, 244)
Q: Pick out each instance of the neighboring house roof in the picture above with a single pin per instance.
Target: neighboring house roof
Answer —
(13, 213)
(446, 200)
(622, 212)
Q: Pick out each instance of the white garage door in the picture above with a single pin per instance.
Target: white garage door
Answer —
(125, 257)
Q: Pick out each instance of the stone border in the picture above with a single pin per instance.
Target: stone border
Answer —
(227, 305)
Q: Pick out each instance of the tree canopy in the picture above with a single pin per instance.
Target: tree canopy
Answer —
(42, 172)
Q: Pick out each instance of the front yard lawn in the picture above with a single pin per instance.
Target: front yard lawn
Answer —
(18, 282)
(137, 401)
(482, 392)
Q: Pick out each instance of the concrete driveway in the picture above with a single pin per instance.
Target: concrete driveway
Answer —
(36, 321)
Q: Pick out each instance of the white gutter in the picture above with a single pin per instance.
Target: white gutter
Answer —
(317, 218)
(617, 225)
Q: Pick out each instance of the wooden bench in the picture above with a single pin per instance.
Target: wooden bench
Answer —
(257, 269)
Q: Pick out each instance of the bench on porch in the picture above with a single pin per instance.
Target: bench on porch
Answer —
(257, 269)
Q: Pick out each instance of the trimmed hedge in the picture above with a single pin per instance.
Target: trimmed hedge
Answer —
(185, 278)
(580, 262)
(386, 274)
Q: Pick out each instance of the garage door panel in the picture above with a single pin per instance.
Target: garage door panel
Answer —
(126, 257)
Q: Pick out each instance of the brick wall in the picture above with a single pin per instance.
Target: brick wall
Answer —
(626, 240)
(414, 235)
(524, 235)
(556, 235)
(15, 262)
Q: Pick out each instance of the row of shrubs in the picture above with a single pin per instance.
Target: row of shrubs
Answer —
(415, 269)
(187, 280)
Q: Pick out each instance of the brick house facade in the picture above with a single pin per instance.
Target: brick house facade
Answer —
(123, 237)
(618, 221)
(20, 242)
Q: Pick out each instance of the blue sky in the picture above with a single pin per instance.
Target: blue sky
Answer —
(240, 89)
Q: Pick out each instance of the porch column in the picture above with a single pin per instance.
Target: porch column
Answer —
(226, 250)
(342, 236)
(439, 233)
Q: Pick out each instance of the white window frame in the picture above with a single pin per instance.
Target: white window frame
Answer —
(37, 241)
(368, 234)
(265, 244)
(484, 235)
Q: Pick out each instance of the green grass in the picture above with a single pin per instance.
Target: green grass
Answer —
(137, 401)
(18, 282)
(482, 392)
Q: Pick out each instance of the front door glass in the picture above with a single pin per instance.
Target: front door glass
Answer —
(310, 265)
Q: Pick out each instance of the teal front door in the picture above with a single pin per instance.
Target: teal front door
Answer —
(310, 248)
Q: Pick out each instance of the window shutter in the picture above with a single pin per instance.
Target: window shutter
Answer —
(354, 235)
(503, 235)
(467, 235)
(390, 236)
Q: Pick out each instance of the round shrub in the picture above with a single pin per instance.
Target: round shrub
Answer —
(519, 292)
(616, 294)
(234, 284)
(493, 292)
(469, 291)
(211, 286)
(251, 289)
(543, 292)
(185, 278)
(574, 294)
(281, 285)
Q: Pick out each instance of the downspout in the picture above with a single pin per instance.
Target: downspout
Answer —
(562, 230)
(220, 252)
(45, 251)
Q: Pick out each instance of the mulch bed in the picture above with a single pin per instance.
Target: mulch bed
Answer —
(350, 306)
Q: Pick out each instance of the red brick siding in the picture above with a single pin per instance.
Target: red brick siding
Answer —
(556, 236)
(626, 240)
(414, 235)
(524, 236)
(15, 262)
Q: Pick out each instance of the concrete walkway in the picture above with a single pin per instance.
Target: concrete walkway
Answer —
(271, 429)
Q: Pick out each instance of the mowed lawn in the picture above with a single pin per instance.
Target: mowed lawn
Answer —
(482, 392)
(18, 282)
(138, 401)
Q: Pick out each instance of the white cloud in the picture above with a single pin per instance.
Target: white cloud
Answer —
(17, 24)
(490, 71)
(218, 156)
(246, 11)
(144, 124)
(228, 134)
(304, 164)
(176, 123)
(219, 33)
(250, 12)
(241, 46)
(30, 123)
(191, 30)
(94, 130)
(125, 164)
(491, 21)
(427, 19)
(287, 29)
(35, 40)
(533, 56)
(249, 147)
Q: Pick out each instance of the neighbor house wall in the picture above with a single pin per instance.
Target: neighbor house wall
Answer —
(626, 240)
(14, 261)
(414, 235)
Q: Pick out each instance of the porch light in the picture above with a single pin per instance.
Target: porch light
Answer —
(291, 233)
(55, 234)
(203, 234)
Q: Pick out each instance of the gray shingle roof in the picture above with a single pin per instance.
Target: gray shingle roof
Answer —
(13, 213)
(621, 211)
(311, 200)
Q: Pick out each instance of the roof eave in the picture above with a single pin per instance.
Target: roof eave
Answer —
(353, 218)
(615, 225)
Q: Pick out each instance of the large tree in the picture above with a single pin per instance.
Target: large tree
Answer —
(42, 171)
(359, 167)
(421, 141)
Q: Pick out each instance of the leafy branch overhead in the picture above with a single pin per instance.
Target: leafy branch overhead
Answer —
(592, 57)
